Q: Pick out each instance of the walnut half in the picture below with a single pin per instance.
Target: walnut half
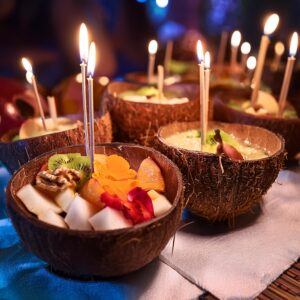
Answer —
(57, 180)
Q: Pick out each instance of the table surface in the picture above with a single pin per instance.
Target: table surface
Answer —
(287, 286)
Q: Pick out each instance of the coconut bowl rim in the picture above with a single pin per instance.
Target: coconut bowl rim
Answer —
(207, 154)
(13, 200)
(12, 130)
(143, 104)
(223, 103)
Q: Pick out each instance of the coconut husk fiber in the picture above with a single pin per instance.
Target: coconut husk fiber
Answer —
(212, 194)
(138, 122)
(289, 129)
(15, 154)
(98, 253)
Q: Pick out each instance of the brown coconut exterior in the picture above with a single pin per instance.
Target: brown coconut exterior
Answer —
(289, 129)
(15, 154)
(138, 122)
(216, 196)
(99, 253)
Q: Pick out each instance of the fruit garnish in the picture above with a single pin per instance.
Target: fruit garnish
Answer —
(112, 201)
(92, 191)
(149, 176)
(227, 149)
(71, 161)
(114, 167)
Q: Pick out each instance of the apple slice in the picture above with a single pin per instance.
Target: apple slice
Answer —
(160, 203)
(52, 218)
(36, 202)
(109, 219)
(79, 213)
(65, 198)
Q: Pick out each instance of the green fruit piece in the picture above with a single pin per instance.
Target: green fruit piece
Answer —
(83, 165)
(147, 91)
(227, 138)
(61, 160)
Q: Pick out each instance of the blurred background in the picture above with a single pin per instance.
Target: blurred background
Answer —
(47, 31)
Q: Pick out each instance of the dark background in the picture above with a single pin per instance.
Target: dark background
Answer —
(47, 31)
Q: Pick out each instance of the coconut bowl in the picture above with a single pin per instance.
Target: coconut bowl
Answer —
(138, 122)
(98, 253)
(289, 129)
(15, 154)
(215, 195)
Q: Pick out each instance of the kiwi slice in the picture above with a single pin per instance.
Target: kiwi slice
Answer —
(83, 165)
(61, 160)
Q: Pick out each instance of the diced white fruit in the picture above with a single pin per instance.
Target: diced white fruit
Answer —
(109, 219)
(79, 213)
(65, 198)
(36, 202)
(52, 218)
(160, 203)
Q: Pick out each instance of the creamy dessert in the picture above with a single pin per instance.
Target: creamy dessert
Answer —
(190, 140)
(150, 94)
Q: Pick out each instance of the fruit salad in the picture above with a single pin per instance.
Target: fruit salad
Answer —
(67, 194)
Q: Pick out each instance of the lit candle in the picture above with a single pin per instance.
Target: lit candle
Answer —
(90, 73)
(201, 91)
(270, 26)
(31, 79)
(207, 77)
(160, 82)
(152, 49)
(251, 64)
(288, 73)
(168, 56)
(278, 52)
(245, 49)
(235, 42)
(222, 48)
(83, 49)
(52, 110)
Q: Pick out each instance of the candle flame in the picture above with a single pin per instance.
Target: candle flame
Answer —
(294, 44)
(245, 48)
(279, 48)
(152, 48)
(251, 62)
(26, 64)
(207, 60)
(92, 60)
(236, 39)
(200, 51)
(83, 43)
(271, 24)
(29, 75)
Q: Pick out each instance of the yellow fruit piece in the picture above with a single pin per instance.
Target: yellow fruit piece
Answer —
(119, 168)
(101, 158)
(91, 191)
(149, 176)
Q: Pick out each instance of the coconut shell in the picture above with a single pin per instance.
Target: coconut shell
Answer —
(99, 253)
(212, 194)
(15, 154)
(289, 129)
(138, 122)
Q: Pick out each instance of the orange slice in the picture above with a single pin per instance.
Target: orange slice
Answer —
(149, 176)
(91, 191)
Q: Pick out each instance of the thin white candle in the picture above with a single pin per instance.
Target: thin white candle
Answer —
(288, 73)
(222, 48)
(83, 49)
(201, 92)
(90, 73)
(160, 82)
(168, 56)
(152, 49)
(207, 79)
(52, 110)
(235, 42)
(278, 52)
(270, 26)
(245, 49)
(31, 79)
